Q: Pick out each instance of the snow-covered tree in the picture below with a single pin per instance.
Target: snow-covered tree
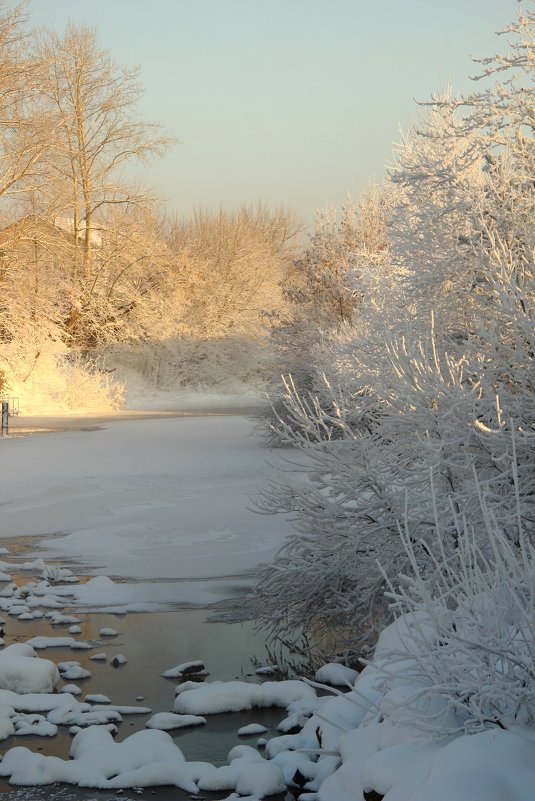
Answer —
(436, 391)
(328, 291)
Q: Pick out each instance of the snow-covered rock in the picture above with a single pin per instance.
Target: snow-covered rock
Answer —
(108, 632)
(194, 668)
(236, 696)
(251, 728)
(166, 721)
(21, 671)
(336, 675)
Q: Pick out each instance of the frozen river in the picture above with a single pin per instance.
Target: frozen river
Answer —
(163, 506)
(158, 509)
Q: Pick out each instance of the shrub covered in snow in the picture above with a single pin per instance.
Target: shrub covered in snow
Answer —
(425, 389)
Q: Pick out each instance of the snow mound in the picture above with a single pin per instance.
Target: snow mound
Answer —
(166, 721)
(21, 671)
(336, 674)
(247, 773)
(40, 643)
(147, 758)
(252, 728)
(237, 696)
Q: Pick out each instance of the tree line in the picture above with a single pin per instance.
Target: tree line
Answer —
(89, 256)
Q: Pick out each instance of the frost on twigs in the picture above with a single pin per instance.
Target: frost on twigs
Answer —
(467, 635)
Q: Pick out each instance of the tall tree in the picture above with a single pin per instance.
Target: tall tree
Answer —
(93, 104)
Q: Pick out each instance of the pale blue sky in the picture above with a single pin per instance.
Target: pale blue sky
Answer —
(293, 102)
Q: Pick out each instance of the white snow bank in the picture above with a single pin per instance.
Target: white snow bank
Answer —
(236, 696)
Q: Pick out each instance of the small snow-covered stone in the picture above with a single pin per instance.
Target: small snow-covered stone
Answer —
(75, 629)
(267, 670)
(97, 698)
(73, 671)
(73, 689)
(58, 642)
(34, 726)
(166, 721)
(98, 657)
(18, 609)
(252, 728)
(118, 660)
(337, 675)
(107, 632)
(194, 668)
(57, 619)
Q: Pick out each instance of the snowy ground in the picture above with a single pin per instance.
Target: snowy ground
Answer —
(164, 502)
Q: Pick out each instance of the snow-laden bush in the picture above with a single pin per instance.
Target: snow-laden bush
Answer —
(365, 464)
(468, 643)
(408, 393)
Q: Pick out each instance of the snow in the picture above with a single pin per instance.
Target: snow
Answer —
(267, 670)
(237, 696)
(252, 728)
(336, 674)
(40, 643)
(21, 671)
(195, 667)
(73, 671)
(34, 726)
(97, 698)
(165, 498)
(167, 721)
(57, 619)
(108, 632)
(73, 689)
(247, 773)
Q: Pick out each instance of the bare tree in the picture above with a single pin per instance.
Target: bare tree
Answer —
(233, 265)
(93, 104)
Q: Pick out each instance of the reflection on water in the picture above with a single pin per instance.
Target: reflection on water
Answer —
(152, 643)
